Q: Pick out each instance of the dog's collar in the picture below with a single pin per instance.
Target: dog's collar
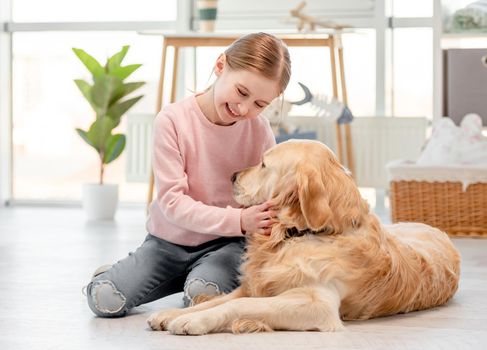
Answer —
(294, 232)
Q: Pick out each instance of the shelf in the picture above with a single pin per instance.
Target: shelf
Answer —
(464, 35)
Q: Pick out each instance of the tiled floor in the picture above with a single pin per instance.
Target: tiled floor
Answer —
(47, 254)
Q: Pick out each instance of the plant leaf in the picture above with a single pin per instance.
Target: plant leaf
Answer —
(113, 148)
(117, 110)
(116, 60)
(103, 90)
(99, 131)
(85, 89)
(124, 72)
(95, 68)
(126, 89)
(85, 137)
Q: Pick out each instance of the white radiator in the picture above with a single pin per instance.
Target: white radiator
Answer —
(138, 148)
(376, 141)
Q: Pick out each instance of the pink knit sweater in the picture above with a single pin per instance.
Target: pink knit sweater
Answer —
(193, 162)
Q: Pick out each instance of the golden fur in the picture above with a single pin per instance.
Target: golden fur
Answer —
(350, 267)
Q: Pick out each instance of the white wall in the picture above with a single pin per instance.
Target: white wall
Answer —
(5, 106)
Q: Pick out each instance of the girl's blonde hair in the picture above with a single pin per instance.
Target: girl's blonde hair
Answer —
(262, 53)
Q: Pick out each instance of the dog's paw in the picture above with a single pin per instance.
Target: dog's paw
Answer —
(158, 321)
(190, 324)
(250, 326)
(331, 326)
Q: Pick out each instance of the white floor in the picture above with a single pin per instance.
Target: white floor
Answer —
(47, 254)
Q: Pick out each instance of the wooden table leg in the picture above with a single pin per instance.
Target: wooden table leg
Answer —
(338, 131)
(333, 70)
(348, 141)
(342, 76)
(160, 92)
(174, 74)
(348, 132)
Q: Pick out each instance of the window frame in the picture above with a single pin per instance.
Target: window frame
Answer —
(9, 27)
(378, 19)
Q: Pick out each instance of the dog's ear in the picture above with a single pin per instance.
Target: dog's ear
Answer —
(349, 209)
(313, 199)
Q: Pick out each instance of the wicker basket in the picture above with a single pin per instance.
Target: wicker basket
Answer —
(452, 198)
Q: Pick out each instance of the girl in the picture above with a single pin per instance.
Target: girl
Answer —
(196, 229)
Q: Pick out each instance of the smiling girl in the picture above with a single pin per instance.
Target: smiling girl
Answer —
(196, 231)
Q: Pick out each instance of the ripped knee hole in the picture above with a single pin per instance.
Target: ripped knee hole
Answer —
(199, 287)
(106, 297)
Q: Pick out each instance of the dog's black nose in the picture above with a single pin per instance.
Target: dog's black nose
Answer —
(234, 177)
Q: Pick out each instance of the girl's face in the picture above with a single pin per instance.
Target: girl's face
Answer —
(240, 94)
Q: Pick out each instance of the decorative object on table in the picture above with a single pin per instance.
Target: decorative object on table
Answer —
(107, 96)
(447, 186)
(207, 12)
(306, 22)
(326, 106)
(472, 17)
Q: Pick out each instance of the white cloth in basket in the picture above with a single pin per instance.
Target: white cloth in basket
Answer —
(450, 144)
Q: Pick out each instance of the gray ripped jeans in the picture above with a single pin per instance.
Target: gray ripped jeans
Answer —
(159, 268)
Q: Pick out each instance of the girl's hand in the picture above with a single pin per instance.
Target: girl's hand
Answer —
(258, 219)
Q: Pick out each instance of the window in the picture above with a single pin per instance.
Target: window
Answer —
(412, 88)
(50, 159)
(412, 8)
(410, 49)
(93, 10)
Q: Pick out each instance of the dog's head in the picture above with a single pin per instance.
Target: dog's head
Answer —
(308, 185)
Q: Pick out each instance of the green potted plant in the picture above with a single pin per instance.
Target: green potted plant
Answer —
(107, 95)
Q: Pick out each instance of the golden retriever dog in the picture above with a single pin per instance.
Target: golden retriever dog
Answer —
(327, 259)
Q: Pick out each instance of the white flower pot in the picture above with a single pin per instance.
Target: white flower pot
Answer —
(100, 201)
